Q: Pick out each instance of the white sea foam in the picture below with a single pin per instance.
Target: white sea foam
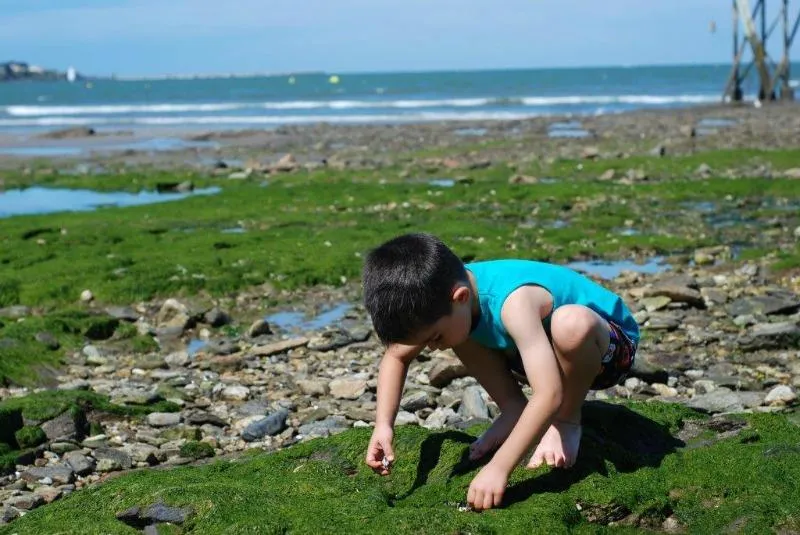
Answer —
(528, 101)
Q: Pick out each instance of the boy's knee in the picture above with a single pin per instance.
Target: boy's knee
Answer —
(571, 326)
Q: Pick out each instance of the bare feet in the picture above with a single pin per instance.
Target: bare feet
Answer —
(494, 437)
(559, 446)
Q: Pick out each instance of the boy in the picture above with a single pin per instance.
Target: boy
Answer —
(562, 331)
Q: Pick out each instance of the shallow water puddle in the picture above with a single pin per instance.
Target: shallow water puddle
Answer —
(290, 320)
(442, 182)
(37, 200)
(568, 129)
(611, 270)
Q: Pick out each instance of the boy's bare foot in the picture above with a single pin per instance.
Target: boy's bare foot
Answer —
(559, 446)
(494, 437)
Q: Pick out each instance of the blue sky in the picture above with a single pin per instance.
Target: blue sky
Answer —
(152, 37)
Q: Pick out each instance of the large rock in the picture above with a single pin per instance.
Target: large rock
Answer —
(70, 425)
(173, 315)
(773, 303)
(61, 474)
(473, 405)
(271, 425)
(347, 387)
(781, 335)
(677, 293)
(445, 370)
(725, 400)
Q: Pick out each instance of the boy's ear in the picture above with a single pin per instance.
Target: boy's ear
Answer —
(461, 294)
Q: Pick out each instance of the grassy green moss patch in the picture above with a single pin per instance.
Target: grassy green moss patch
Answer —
(633, 473)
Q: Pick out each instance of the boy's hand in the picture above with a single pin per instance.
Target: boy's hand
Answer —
(487, 489)
(380, 448)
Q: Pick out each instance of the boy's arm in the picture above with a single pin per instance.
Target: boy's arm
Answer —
(522, 316)
(391, 378)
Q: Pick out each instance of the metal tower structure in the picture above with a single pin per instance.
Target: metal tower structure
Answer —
(774, 77)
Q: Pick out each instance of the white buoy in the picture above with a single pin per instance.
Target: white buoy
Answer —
(72, 75)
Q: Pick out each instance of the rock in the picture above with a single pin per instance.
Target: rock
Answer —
(87, 296)
(776, 303)
(445, 370)
(725, 400)
(333, 338)
(144, 453)
(79, 463)
(216, 317)
(122, 313)
(163, 419)
(523, 179)
(703, 170)
(110, 459)
(61, 474)
(15, 312)
(96, 441)
(271, 425)
(134, 396)
(473, 405)
(286, 164)
(405, 418)
(678, 294)
(590, 153)
(440, 418)
(608, 174)
(662, 322)
(48, 340)
(313, 387)
(67, 426)
(258, 328)
(780, 335)
(158, 512)
(221, 347)
(416, 401)
(347, 388)
(48, 494)
(178, 359)
(792, 173)
(652, 304)
(324, 428)
(202, 418)
(658, 150)
(235, 393)
(8, 514)
(780, 395)
(93, 357)
(75, 384)
(25, 501)
(174, 315)
(278, 347)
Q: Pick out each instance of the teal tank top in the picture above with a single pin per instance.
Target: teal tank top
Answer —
(496, 279)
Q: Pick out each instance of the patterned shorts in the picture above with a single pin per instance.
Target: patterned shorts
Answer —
(616, 363)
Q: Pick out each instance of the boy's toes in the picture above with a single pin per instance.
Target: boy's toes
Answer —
(536, 460)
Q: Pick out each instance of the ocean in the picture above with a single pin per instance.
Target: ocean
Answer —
(272, 101)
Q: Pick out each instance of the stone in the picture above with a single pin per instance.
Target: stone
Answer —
(347, 387)
(271, 425)
(15, 312)
(163, 419)
(313, 387)
(781, 335)
(122, 313)
(158, 512)
(178, 359)
(25, 501)
(174, 314)
(235, 393)
(120, 457)
(67, 426)
(677, 293)
(333, 338)
(652, 304)
(445, 370)
(662, 322)
(440, 418)
(780, 395)
(48, 494)
(96, 441)
(405, 418)
(416, 401)
(143, 453)
(8, 514)
(590, 153)
(87, 296)
(259, 327)
(48, 340)
(775, 303)
(79, 463)
(473, 405)
(202, 418)
(323, 428)
(216, 317)
(725, 400)
(61, 474)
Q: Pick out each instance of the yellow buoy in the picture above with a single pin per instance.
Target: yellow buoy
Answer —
(333, 79)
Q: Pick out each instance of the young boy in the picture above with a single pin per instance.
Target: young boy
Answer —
(562, 331)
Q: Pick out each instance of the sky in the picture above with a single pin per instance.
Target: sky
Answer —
(159, 37)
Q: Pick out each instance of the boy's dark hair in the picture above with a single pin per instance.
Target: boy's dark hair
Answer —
(408, 283)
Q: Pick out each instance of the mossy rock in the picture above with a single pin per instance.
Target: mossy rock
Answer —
(632, 474)
(197, 450)
(30, 436)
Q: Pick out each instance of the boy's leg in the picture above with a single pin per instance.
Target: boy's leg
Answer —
(489, 367)
(580, 338)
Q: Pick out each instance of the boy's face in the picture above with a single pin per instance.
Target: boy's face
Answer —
(451, 330)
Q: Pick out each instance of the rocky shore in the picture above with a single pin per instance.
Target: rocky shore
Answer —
(719, 339)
